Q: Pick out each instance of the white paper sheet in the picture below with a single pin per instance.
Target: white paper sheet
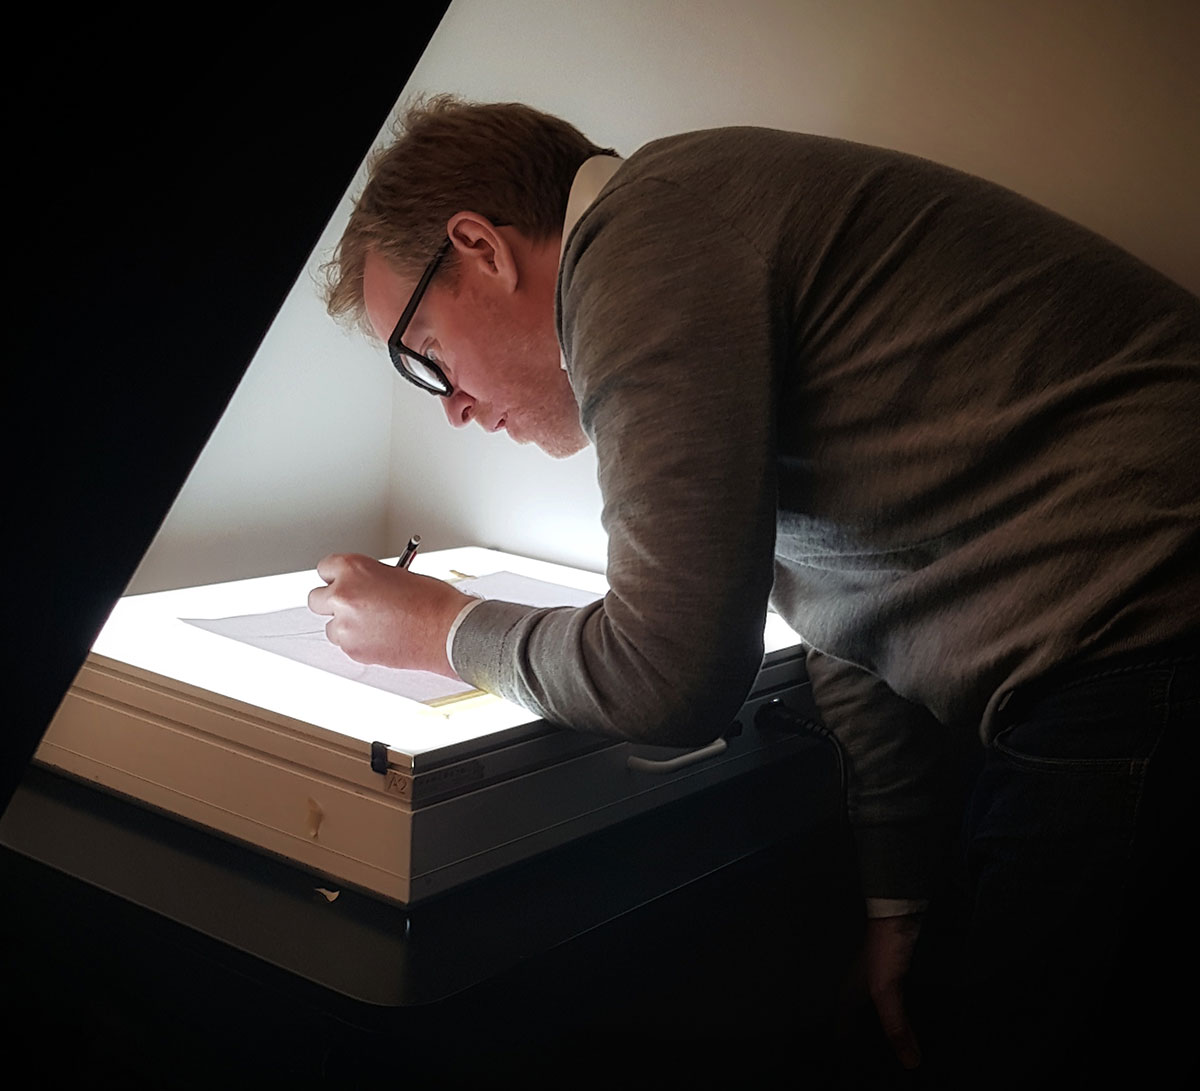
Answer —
(299, 634)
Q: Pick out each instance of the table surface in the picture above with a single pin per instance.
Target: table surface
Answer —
(381, 954)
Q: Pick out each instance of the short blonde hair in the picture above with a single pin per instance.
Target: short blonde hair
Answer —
(506, 161)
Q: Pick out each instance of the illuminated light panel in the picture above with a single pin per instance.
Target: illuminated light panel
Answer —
(145, 632)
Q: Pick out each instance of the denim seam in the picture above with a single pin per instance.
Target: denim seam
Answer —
(1129, 668)
(1116, 766)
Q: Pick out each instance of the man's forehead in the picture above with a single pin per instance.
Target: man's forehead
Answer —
(385, 293)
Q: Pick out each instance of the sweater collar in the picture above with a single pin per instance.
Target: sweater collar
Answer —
(590, 179)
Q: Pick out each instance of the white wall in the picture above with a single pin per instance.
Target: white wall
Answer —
(1089, 106)
(298, 465)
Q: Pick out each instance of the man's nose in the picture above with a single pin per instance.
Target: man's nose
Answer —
(460, 408)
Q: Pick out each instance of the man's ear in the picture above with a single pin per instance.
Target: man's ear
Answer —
(483, 249)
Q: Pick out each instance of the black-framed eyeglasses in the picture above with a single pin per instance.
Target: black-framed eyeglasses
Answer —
(417, 369)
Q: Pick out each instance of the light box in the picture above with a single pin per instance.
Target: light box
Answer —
(363, 786)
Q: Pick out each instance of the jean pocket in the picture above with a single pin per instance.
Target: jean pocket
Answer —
(1111, 722)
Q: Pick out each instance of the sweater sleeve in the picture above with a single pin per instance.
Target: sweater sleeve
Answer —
(896, 792)
(667, 328)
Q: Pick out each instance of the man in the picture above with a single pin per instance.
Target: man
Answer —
(951, 435)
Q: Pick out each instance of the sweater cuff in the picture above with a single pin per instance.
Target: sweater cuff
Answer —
(462, 616)
(479, 643)
(895, 907)
(898, 862)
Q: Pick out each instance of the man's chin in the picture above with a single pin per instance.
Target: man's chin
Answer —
(561, 452)
(569, 442)
(556, 446)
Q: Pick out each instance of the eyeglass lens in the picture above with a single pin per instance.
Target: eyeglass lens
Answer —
(425, 376)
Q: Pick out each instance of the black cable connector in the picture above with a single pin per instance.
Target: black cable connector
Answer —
(775, 715)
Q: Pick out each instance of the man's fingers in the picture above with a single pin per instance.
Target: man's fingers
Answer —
(318, 600)
(333, 565)
(331, 568)
(331, 630)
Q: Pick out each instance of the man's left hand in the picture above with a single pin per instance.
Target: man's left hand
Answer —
(887, 952)
(879, 973)
(386, 615)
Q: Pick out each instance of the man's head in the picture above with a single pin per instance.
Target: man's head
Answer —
(493, 181)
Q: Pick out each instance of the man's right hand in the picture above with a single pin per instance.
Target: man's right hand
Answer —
(386, 615)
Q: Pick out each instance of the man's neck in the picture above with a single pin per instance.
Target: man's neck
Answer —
(590, 179)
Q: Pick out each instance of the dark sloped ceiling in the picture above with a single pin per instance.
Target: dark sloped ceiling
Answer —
(166, 185)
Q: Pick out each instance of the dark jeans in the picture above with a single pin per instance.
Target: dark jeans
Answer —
(1080, 851)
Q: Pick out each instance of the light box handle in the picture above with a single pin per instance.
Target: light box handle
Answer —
(669, 765)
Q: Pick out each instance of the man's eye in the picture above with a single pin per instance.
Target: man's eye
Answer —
(434, 354)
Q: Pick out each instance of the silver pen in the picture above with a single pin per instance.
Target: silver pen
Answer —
(410, 551)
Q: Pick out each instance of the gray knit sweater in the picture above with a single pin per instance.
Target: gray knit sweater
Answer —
(951, 434)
